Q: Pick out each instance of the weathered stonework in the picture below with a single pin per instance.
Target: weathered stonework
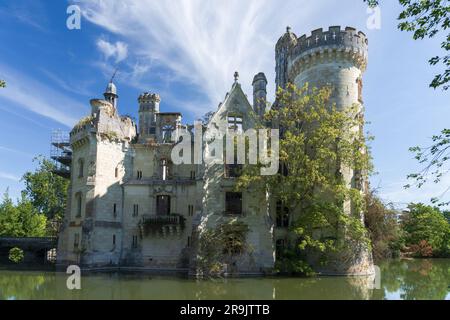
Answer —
(130, 206)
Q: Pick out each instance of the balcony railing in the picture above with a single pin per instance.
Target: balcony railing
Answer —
(172, 224)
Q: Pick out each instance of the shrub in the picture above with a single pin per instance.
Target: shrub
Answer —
(16, 255)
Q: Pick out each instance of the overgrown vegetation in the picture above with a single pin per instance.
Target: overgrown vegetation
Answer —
(83, 122)
(318, 142)
(382, 222)
(220, 246)
(110, 135)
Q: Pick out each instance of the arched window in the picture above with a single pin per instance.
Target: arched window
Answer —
(80, 168)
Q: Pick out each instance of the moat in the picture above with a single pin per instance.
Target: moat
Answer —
(400, 279)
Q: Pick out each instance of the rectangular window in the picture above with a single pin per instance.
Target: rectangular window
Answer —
(189, 242)
(134, 243)
(115, 210)
(233, 203)
(135, 210)
(79, 201)
(163, 205)
(282, 215)
(190, 210)
(192, 175)
(139, 175)
(76, 241)
(235, 123)
(114, 240)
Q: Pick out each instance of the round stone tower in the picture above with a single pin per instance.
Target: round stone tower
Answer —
(335, 58)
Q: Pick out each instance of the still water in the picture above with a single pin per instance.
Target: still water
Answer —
(406, 280)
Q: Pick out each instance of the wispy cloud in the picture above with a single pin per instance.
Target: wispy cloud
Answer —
(201, 42)
(8, 176)
(77, 87)
(117, 51)
(34, 96)
(10, 150)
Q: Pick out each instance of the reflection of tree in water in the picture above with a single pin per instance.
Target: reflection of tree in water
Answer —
(18, 285)
(417, 279)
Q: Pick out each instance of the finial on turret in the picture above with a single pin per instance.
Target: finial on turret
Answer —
(288, 29)
(236, 77)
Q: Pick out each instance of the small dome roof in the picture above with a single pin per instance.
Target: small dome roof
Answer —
(111, 88)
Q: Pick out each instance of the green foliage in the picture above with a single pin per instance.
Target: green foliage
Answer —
(21, 220)
(318, 143)
(16, 255)
(221, 245)
(426, 225)
(46, 190)
(435, 160)
(384, 229)
(291, 262)
(427, 18)
(2, 84)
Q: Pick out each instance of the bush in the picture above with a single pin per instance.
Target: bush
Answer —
(425, 227)
(16, 255)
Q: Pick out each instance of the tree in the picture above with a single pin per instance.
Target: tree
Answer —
(318, 143)
(426, 18)
(426, 225)
(2, 84)
(21, 220)
(384, 229)
(46, 190)
(435, 160)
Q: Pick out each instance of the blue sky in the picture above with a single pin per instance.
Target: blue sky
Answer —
(187, 51)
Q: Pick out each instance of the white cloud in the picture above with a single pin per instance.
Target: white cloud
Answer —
(34, 96)
(204, 42)
(117, 51)
(8, 176)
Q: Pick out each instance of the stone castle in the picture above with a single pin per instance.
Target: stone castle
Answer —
(130, 206)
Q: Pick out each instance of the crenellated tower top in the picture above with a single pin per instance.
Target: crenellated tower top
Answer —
(294, 54)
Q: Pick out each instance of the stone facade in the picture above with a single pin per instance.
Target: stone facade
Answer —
(129, 205)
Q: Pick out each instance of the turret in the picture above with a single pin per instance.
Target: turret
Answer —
(282, 49)
(111, 94)
(148, 108)
(259, 93)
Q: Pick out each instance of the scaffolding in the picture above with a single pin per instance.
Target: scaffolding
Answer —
(61, 153)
